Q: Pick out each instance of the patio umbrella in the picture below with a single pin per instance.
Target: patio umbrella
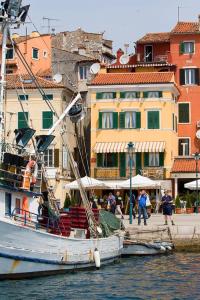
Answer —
(192, 185)
(139, 181)
(87, 182)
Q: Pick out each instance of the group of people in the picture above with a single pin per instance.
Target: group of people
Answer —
(115, 204)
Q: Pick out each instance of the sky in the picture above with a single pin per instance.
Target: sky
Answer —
(123, 21)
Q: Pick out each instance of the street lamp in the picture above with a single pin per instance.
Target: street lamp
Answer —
(130, 152)
(197, 157)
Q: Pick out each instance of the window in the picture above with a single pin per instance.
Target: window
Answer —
(47, 97)
(148, 53)
(189, 76)
(153, 94)
(129, 95)
(186, 47)
(133, 160)
(107, 160)
(17, 205)
(23, 97)
(47, 119)
(108, 120)
(35, 53)
(83, 72)
(22, 120)
(45, 54)
(106, 95)
(65, 157)
(49, 158)
(183, 146)
(154, 160)
(130, 119)
(183, 112)
(153, 120)
(10, 53)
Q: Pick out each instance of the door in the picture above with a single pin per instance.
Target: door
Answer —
(148, 53)
(8, 202)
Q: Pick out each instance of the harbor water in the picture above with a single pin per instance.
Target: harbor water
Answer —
(174, 276)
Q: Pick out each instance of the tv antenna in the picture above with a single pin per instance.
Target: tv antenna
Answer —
(49, 23)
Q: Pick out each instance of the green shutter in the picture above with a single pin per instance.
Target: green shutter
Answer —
(114, 95)
(122, 160)
(138, 163)
(137, 95)
(173, 122)
(183, 113)
(146, 159)
(145, 94)
(122, 95)
(181, 48)
(115, 160)
(115, 120)
(56, 158)
(99, 96)
(138, 119)
(161, 159)
(22, 117)
(122, 120)
(47, 119)
(153, 120)
(160, 94)
(100, 120)
(99, 160)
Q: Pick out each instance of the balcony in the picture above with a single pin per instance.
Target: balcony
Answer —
(158, 59)
(155, 173)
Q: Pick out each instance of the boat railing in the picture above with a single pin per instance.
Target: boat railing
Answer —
(37, 221)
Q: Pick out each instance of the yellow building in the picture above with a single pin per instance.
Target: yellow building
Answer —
(133, 107)
(23, 100)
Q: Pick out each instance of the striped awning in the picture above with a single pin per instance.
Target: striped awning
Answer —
(117, 147)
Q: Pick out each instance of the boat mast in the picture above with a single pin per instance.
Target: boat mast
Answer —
(11, 13)
(2, 82)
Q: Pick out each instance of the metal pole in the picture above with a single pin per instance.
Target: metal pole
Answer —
(2, 83)
(131, 198)
(197, 157)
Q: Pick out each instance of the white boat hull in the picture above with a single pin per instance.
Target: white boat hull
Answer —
(26, 252)
(139, 248)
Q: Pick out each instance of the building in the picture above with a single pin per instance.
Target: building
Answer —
(138, 107)
(24, 102)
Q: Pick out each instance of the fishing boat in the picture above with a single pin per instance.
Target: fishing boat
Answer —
(35, 243)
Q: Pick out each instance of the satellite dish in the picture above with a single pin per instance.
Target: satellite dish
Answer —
(198, 134)
(95, 68)
(124, 59)
(57, 78)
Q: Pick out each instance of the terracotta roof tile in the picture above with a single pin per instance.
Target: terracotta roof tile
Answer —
(186, 27)
(155, 38)
(15, 81)
(133, 78)
(185, 165)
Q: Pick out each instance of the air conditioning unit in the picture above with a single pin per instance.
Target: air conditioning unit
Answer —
(198, 124)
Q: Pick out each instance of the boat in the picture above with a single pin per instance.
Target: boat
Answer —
(35, 243)
(139, 248)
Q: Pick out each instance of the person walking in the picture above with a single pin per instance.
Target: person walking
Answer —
(119, 204)
(142, 207)
(112, 203)
(167, 203)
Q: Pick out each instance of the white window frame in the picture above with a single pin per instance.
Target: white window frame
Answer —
(85, 73)
(184, 137)
(65, 159)
(130, 112)
(184, 42)
(47, 155)
(34, 48)
(189, 112)
(145, 46)
(111, 124)
(155, 157)
(189, 82)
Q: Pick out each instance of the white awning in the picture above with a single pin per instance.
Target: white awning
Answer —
(117, 147)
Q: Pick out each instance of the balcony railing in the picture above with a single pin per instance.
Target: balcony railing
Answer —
(155, 173)
(164, 58)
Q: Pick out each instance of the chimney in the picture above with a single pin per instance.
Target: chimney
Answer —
(120, 52)
(199, 22)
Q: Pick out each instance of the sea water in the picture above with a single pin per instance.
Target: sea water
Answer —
(175, 276)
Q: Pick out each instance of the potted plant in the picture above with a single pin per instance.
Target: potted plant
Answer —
(189, 208)
(178, 205)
